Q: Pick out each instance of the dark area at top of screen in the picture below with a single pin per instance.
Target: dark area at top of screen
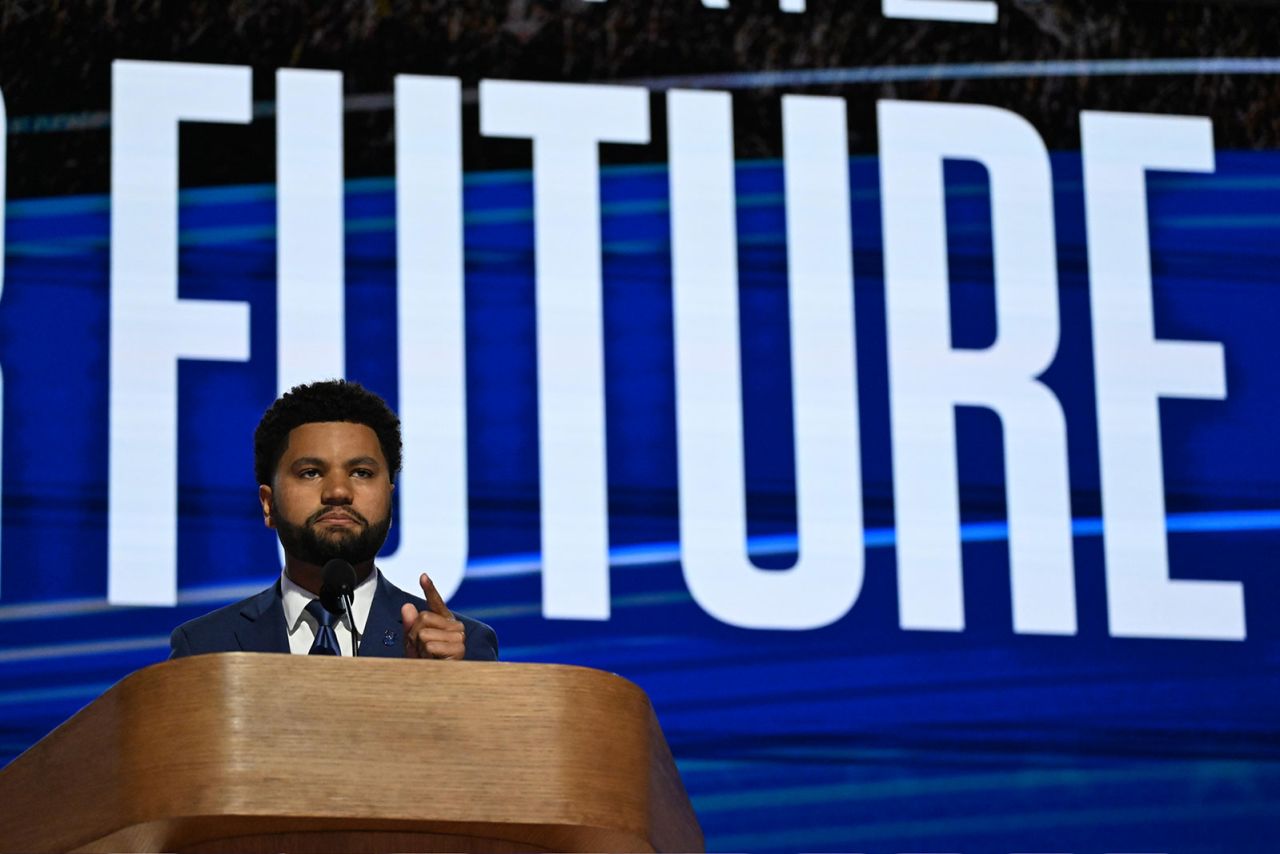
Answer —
(55, 68)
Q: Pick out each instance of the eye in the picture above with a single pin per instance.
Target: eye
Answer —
(309, 474)
(361, 473)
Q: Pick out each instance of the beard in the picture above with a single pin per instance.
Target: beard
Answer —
(305, 543)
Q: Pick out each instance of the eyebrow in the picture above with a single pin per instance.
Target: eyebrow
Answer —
(351, 463)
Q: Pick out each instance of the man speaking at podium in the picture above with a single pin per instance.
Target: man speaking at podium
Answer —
(326, 456)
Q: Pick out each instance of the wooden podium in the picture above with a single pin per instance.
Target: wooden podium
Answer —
(250, 752)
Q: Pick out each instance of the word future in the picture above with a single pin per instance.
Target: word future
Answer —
(151, 329)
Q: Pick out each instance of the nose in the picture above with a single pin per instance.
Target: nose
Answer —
(337, 491)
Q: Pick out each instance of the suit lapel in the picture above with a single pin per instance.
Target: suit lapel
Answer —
(262, 627)
(383, 632)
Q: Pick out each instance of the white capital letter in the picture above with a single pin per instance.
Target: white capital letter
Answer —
(309, 247)
(928, 378)
(1134, 370)
(150, 327)
(826, 579)
(566, 123)
(430, 326)
(962, 11)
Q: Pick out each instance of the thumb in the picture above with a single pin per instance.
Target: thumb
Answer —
(408, 614)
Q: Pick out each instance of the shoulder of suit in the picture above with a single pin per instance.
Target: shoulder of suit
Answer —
(220, 616)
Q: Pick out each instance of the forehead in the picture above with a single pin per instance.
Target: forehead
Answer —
(336, 441)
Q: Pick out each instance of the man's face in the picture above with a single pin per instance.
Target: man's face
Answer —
(331, 496)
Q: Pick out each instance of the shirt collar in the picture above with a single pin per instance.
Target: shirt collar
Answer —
(295, 599)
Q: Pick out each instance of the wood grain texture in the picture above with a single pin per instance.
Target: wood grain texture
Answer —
(256, 752)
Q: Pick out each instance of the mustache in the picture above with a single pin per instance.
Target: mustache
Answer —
(348, 512)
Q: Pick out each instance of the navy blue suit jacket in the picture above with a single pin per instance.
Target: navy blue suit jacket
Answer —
(257, 625)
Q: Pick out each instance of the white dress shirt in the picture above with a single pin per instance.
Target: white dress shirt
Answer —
(302, 626)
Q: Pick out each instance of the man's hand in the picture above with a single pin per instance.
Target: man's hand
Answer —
(432, 633)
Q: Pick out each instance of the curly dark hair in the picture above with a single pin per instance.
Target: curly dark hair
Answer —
(329, 400)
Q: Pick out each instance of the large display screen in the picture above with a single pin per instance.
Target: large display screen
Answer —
(887, 388)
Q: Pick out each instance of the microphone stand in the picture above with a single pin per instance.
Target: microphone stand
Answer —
(347, 604)
(340, 579)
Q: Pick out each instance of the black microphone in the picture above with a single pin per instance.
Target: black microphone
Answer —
(337, 594)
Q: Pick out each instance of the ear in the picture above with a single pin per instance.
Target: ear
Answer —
(264, 496)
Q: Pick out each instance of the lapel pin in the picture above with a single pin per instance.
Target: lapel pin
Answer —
(389, 639)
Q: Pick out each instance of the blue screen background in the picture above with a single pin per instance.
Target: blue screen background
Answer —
(856, 736)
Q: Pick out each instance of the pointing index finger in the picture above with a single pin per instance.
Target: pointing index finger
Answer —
(435, 602)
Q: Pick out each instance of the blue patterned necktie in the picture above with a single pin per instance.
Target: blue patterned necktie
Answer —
(326, 641)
